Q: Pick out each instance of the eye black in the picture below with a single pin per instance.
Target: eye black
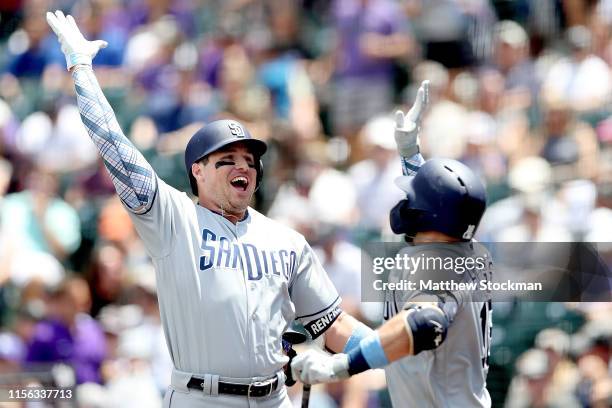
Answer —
(224, 163)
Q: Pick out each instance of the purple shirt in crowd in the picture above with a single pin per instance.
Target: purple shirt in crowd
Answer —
(84, 349)
(354, 18)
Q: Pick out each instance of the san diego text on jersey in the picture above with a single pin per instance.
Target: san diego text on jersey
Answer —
(219, 251)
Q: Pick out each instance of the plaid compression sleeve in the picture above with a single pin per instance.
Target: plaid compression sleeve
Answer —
(410, 165)
(133, 177)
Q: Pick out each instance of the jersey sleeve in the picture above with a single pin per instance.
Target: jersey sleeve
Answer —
(159, 225)
(315, 298)
(150, 202)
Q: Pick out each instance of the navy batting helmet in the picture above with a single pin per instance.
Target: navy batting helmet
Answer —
(444, 196)
(217, 135)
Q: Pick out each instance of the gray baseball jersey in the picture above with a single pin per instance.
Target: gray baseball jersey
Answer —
(453, 374)
(228, 291)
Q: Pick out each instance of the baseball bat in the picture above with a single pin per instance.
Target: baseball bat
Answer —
(294, 337)
(306, 396)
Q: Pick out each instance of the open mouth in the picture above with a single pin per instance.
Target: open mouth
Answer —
(240, 182)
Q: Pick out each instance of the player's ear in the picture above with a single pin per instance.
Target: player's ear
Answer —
(197, 171)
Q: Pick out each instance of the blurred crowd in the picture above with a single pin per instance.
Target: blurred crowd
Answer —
(520, 92)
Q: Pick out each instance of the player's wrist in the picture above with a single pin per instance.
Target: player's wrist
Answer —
(360, 331)
(75, 59)
(369, 354)
(409, 151)
(340, 366)
(407, 142)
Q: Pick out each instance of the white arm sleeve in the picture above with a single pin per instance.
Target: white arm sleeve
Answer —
(410, 165)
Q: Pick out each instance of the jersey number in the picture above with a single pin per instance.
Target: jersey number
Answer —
(486, 325)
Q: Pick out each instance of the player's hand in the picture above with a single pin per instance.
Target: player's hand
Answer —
(314, 367)
(407, 126)
(75, 47)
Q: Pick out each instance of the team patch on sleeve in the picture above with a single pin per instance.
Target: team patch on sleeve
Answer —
(318, 326)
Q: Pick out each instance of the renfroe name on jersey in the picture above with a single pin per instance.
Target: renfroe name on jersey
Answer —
(221, 252)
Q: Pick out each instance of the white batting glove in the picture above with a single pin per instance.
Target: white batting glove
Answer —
(75, 47)
(314, 367)
(407, 126)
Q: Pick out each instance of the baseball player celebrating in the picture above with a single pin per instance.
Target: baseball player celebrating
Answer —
(447, 334)
(230, 280)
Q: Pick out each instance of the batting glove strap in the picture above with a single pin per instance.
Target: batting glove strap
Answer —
(369, 354)
(77, 59)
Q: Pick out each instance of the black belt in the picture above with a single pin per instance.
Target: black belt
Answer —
(256, 389)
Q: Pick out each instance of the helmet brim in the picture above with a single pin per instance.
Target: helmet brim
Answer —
(255, 146)
(404, 183)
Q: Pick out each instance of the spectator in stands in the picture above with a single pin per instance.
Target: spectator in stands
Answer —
(38, 219)
(582, 80)
(445, 43)
(106, 276)
(374, 177)
(69, 334)
(370, 34)
(31, 49)
(514, 100)
(567, 143)
(56, 139)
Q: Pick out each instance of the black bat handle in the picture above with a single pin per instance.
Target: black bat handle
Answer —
(289, 381)
(305, 395)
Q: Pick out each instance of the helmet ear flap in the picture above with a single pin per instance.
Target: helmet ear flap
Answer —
(395, 217)
(406, 220)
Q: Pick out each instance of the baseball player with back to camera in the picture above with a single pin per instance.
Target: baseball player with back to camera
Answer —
(229, 280)
(434, 346)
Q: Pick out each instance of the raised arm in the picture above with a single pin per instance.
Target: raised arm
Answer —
(407, 127)
(133, 177)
